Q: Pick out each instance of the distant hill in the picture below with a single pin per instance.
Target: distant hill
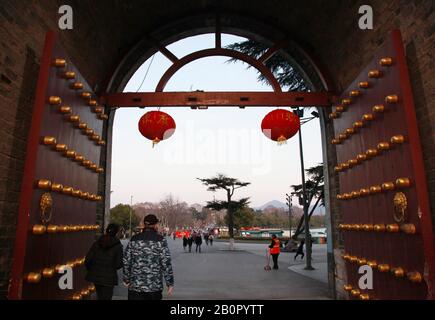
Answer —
(275, 204)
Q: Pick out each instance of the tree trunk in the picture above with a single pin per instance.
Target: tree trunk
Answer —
(300, 228)
(230, 221)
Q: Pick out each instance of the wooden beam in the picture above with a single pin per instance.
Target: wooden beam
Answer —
(218, 99)
(165, 51)
(168, 54)
(269, 54)
(218, 52)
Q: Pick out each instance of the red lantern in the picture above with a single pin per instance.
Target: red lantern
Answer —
(156, 126)
(280, 125)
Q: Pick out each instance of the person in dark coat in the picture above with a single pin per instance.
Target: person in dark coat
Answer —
(300, 250)
(184, 242)
(103, 260)
(198, 242)
(190, 242)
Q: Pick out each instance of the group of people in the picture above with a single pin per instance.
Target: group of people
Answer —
(196, 237)
(146, 263)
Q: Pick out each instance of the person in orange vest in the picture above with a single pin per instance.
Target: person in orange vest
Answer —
(275, 249)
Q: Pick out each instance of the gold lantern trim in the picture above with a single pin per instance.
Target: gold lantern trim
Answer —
(70, 75)
(65, 110)
(380, 108)
(375, 74)
(347, 287)
(408, 228)
(39, 229)
(383, 267)
(415, 276)
(33, 277)
(391, 99)
(386, 61)
(398, 139)
(54, 100)
(77, 85)
(364, 85)
(59, 63)
(49, 141)
(355, 93)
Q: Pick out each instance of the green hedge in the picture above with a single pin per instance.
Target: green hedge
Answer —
(251, 238)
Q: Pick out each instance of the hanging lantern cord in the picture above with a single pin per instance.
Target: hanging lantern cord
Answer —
(146, 73)
(155, 141)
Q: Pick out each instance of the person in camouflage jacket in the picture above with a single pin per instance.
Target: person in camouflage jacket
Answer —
(147, 261)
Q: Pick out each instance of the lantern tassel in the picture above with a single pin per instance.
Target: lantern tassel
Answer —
(281, 140)
(155, 141)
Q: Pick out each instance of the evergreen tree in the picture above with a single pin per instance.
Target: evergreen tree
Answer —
(222, 182)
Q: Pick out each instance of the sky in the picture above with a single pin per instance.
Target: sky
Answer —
(224, 140)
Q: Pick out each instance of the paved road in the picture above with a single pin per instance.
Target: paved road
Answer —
(220, 274)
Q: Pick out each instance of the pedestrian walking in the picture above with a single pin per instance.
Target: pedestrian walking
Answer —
(300, 250)
(190, 242)
(206, 238)
(198, 243)
(184, 242)
(275, 249)
(210, 238)
(174, 235)
(147, 261)
(103, 260)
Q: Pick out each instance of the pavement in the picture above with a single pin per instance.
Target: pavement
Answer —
(217, 273)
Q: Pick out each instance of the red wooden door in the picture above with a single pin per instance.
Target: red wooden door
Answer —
(383, 193)
(57, 213)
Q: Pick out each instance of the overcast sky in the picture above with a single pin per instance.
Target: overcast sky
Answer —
(205, 142)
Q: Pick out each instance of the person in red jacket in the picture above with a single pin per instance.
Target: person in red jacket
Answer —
(275, 250)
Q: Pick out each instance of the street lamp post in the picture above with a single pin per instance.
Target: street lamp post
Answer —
(308, 266)
(289, 203)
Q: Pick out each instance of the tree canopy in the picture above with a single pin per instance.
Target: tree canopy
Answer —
(284, 72)
(120, 214)
(315, 192)
(222, 182)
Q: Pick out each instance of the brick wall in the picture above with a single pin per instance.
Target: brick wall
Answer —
(22, 31)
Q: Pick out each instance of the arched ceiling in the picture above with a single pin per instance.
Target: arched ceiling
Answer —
(295, 51)
(126, 33)
(137, 27)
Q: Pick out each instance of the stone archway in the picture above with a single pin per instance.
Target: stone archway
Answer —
(252, 29)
